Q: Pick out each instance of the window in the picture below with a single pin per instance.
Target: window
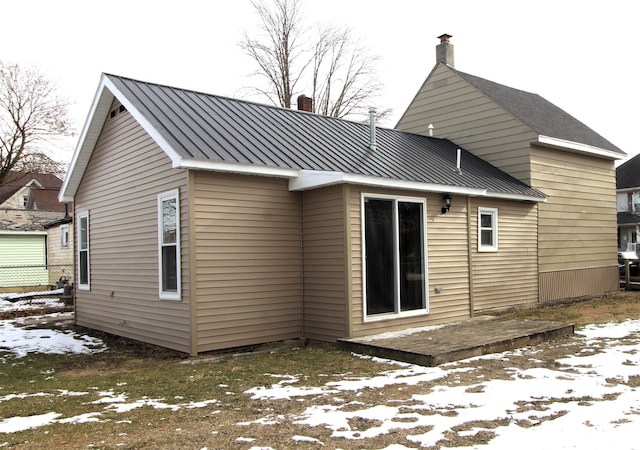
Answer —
(83, 251)
(64, 236)
(487, 230)
(394, 251)
(169, 245)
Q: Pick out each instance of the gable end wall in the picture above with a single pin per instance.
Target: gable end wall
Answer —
(460, 113)
(126, 173)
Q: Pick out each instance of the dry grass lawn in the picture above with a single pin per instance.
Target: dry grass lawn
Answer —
(145, 373)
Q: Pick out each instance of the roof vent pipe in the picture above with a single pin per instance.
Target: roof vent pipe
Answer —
(372, 129)
(458, 168)
(430, 130)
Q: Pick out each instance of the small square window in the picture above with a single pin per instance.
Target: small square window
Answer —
(487, 230)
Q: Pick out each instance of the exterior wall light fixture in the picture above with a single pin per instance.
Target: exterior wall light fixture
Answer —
(446, 198)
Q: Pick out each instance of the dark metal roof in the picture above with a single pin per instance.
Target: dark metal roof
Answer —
(542, 116)
(628, 174)
(212, 128)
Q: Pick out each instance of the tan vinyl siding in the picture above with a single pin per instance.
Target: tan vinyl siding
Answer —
(577, 225)
(126, 173)
(325, 294)
(460, 113)
(249, 260)
(578, 222)
(508, 277)
(447, 264)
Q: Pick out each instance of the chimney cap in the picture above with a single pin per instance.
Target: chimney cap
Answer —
(444, 38)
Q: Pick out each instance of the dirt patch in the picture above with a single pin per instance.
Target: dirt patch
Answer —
(606, 308)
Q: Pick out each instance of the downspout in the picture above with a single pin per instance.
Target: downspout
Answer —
(193, 280)
(302, 296)
(470, 259)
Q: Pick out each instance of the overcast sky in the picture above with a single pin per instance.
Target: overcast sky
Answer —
(582, 55)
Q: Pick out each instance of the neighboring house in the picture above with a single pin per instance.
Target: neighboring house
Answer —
(60, 249)
(28, 204)
(628, 204)
(204, 222)
(23, 248)
(541, 145)
(31, 191)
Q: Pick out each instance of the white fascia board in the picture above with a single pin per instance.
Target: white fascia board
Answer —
(98, 113)
(625, 190)
(313, 179)
(144, 123)
(86, 142)
(522, 197)
(247, 169)
(578, 147)
(413, 185)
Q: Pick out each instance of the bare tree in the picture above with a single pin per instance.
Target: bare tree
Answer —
(278, 51)
(31, 114)
(331, 64)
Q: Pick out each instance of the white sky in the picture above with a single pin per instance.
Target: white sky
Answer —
(581, 55)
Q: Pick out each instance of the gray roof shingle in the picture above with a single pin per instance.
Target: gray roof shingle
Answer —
(628, 174)
(627, 218)
(213, 128)
(542, 116)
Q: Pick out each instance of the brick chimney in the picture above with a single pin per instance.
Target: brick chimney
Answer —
(444, 50)
(305, 103)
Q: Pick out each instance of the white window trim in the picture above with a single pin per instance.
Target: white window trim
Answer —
(168, 295)
(494, 228)
(400, 314)
(64, 231)
(79, 217)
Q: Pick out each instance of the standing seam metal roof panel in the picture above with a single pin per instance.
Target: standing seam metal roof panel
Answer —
(217, 128)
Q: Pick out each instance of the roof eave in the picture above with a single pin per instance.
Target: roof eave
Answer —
(628, 189)
(86, 142)
(577, 147)
(313, 179)
(239, 168)
(98, 113)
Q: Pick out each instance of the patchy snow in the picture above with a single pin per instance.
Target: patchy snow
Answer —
(21, 340)
(27, 305)
(578, 404)
(585, 401)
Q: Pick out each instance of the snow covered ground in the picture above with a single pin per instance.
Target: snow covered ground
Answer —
(590, 400)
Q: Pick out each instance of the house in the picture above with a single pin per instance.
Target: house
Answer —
(60, 255)
(544, 147)
(31, 191)
(204, 222)
(28, 257)
(23, 250)
(628, 204)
